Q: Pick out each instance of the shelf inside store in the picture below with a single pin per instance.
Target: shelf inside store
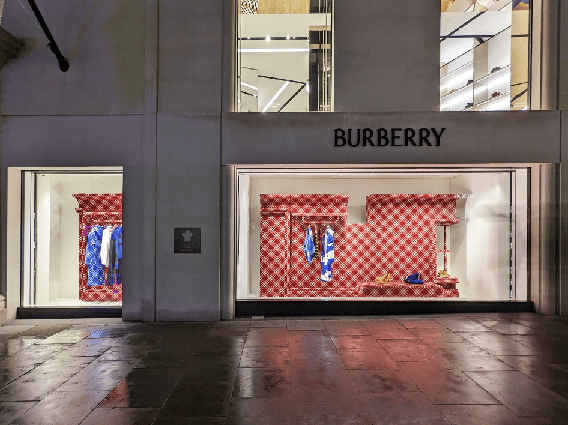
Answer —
(460, 90)
(483, 81)
(487, 103)
(466, 67)
(494, 75)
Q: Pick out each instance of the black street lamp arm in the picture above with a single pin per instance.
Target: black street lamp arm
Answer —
(63, 64)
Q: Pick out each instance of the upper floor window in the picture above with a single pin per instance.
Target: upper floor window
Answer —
(284, 57)
(484, 55)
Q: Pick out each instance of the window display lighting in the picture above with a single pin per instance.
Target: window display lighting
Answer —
(249, 86)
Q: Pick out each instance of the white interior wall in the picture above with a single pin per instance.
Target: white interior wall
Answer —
(357, 188)
(58, 230)
(43, 235)
(55, 223)
(480, 242)
(499, 50)
(244, 228)
(451, 48)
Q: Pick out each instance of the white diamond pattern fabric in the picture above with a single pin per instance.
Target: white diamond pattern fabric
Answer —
(275, 257)
(399, 237)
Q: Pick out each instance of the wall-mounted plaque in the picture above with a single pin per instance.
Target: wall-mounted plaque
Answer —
(187, 240)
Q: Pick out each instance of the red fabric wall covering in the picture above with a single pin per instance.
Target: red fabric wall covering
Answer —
(96, 210)
(399, 237)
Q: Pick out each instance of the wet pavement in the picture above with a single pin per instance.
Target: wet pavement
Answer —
(469, 369)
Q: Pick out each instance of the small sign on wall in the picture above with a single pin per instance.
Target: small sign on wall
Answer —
(187, 240)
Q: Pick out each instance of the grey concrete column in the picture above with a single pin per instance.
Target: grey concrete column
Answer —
(228, 241)
(563, 255)
(188, 157)
(564, 238)
(139, 192)
(549, 240)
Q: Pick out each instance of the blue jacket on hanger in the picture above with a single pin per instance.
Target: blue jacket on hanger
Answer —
(96, 270)
(309, 247)
(116, 238)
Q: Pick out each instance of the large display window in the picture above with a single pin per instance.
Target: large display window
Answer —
(72, 238)
(353, 233)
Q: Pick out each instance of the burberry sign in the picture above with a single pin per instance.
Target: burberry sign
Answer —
(388, 137)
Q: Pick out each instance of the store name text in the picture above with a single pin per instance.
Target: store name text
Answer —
(388, 137)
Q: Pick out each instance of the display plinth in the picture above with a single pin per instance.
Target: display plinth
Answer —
(405, 290)
(447, 282)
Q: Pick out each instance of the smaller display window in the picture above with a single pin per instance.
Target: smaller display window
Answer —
(72, 238)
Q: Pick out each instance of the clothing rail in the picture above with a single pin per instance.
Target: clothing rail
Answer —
(305, 223)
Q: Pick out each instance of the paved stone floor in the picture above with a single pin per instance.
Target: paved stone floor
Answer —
(469, 369)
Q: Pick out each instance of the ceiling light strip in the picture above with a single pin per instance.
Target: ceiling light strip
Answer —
(249, 86)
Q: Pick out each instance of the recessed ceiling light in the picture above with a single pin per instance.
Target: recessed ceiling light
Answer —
(267, 38)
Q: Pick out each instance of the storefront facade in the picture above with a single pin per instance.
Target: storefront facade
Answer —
(146, 112)
(486, 184)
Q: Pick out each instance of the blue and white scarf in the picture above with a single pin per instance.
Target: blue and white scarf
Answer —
(327, 256)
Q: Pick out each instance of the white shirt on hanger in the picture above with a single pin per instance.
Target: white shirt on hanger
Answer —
(105, 245)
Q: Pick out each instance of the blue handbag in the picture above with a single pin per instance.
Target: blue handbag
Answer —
(415, 279)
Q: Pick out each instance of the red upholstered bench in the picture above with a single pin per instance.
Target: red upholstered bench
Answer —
(405, 290)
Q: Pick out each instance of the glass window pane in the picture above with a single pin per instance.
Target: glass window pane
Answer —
(484, 56)
(284, 57)
(463, 230)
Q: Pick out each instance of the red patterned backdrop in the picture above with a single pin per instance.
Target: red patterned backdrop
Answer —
(96, 210)
(399, 237)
